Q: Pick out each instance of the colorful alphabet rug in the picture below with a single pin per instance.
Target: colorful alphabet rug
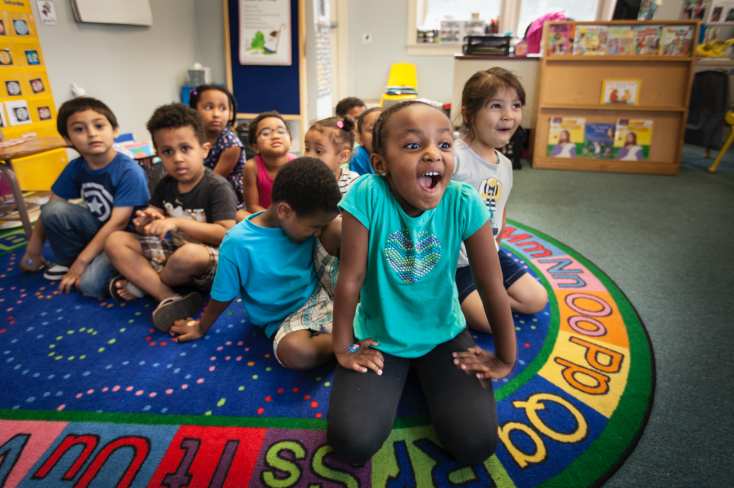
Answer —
(92, 396)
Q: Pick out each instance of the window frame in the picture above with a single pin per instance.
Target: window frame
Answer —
(509, 11)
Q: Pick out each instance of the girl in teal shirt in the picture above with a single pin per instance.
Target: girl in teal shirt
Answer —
(402, 232)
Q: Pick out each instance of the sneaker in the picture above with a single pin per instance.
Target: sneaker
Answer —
(176, 308)
(55, 273)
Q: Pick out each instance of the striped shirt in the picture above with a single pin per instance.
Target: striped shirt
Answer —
(346, 180)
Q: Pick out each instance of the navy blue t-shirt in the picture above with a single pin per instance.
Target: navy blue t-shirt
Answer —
(122, 183)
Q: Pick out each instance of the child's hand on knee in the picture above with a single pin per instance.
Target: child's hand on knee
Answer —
(483, 364)
(364, 358)
(31, 264)
(186, 330)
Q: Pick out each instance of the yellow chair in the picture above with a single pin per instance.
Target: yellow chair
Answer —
(401, 74)
(729, 120)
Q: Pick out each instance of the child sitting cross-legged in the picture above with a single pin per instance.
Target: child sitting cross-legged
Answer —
(269, 257)
(194, 204)
(112, 186)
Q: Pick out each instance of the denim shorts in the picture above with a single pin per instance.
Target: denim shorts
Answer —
(511, 272)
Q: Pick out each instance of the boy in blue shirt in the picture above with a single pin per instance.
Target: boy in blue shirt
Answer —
(112, 186)
(271, 258)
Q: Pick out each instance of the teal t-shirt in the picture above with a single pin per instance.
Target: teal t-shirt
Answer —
(409, 302)
(274, 275)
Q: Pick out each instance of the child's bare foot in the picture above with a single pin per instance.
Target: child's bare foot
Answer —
(123, 290)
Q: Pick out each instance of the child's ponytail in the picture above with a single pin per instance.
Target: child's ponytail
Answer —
(342, 129)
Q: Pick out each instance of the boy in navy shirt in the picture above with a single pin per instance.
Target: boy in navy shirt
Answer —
(112, 186)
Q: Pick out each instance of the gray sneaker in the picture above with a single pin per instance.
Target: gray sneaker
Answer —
(55, 273)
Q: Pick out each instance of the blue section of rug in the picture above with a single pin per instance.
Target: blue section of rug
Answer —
(69, 352)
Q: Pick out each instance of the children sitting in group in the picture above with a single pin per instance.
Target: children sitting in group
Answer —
(360, 162)
(226, 158)
(331, 140)
(491, 109)
(269, 259)
(270, 138)
(396, 302)
(193, 203)
(112, 186)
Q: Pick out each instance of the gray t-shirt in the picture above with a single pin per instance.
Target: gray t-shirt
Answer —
(492, 181)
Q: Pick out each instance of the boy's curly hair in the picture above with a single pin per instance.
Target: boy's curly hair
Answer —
(342, 137)
(343, 107)
(76, 105)
(308, 186)
(175, 116)
(379, 136)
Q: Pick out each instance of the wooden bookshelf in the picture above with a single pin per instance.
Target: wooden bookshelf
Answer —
(571, 85)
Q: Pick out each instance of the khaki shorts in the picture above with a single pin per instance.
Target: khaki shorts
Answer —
(317, 314)
(158, 252)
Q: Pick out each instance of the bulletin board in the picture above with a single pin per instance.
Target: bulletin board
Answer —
(27, 106)
(259, 88)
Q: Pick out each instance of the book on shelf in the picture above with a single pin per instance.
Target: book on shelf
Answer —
(566, 137)
(590, 40)
(632, 139)
(620, 92)
(559, 39)
(620, 40)
(677, 41)
(598, 141)
(648, 39)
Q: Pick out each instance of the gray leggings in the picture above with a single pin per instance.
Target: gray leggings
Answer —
(363, 406)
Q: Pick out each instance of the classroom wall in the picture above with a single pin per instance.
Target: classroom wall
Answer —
(132, 69)
(369, 66)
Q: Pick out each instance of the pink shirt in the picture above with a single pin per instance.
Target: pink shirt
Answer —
(265, 182)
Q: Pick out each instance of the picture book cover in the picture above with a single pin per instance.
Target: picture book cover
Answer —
(598, 141)
(559, 39)
(648, 39)
(620, 40)
(590, 40)
(632, 139)
(620, 92)
(566, 137)
(677, 40)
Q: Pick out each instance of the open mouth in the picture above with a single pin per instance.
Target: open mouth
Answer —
(429, 179)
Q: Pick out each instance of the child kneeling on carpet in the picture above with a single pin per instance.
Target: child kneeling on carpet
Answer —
(194, 204)
(112, 186)
(491, 108)
(402, 232)
(272, 258)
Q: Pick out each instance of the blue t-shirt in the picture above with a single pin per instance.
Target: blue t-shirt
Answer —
(409, 302)
(122, 183)
(274, 275)
(360, 162)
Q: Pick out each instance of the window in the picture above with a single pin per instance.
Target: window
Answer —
(581, 10)
(437, 10)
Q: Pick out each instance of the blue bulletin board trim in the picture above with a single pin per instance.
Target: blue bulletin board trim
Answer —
(263, 88)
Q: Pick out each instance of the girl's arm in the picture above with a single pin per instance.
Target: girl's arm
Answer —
(502, 229)
(352, 270)
(487, 274)
(227, 161)
(249, 187)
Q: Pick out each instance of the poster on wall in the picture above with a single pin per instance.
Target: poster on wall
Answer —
(47, 11)
(265, 32)
(721, 12)
(694, 9)
(18, 113)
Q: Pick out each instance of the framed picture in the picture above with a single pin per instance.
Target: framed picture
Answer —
(620, 92)
(721, 12)
(695, 10)
(18, 113)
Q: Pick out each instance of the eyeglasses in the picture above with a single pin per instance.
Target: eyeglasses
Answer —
(268, 133)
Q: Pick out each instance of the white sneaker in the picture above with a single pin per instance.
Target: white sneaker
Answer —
(56, 272)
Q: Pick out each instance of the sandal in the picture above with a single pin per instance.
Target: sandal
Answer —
(176, 308)
(115, 291)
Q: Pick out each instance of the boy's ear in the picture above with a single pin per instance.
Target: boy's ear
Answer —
(284, 210)
(67, 141)
(378, 164)
(206, 146)
(116, 132)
